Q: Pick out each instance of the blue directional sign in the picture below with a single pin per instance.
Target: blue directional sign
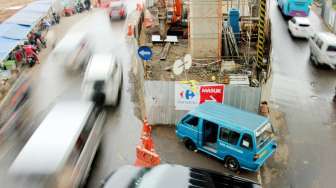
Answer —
(145, 53)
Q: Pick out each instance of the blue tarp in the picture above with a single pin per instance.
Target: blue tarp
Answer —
(6, 46)
(14, 31)
(26, 18)
(38, 6)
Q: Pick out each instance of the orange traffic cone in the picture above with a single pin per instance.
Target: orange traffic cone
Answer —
(129, 30)
(145, 153)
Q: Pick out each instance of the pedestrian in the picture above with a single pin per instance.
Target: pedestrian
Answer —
(18, 54)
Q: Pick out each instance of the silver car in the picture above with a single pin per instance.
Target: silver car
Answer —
(170, 175)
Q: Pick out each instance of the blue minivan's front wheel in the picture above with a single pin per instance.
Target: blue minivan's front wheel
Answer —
(232, 164)
(190, 145)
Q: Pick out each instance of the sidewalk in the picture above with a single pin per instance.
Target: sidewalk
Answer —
(276, 165)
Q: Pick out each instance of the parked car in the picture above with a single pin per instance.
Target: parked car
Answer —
(118, 10)
(241, 139)
(61, 150)
(171, 175)
(103, 75)
(323, 49)
(300, 27)
(73, 51)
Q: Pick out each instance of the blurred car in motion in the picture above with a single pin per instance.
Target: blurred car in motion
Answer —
(14, 107)
(170, 175)
(103, 79)
(118, 10)
(73, 51)
(61, 150)
(323, 49)
(300, 27)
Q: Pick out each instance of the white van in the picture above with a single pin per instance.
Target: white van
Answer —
(323, 49)
(106, 72)
(73, 51)
(61, 150)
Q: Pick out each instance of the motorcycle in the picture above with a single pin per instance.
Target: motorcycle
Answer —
(79, 7)
(31, 61)
(87, 4)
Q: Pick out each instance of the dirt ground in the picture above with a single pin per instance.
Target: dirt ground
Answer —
(10, 7)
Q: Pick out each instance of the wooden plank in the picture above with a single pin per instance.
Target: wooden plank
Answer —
(164, 52)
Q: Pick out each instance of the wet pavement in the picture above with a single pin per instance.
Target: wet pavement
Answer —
(302, 96)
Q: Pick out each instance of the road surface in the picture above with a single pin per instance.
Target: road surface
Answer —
(304, 94)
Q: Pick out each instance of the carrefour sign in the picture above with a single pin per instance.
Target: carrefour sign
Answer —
(186, 96)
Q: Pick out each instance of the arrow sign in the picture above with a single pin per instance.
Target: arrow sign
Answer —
(145, 53)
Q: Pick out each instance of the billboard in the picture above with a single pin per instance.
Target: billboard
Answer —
(189, 96)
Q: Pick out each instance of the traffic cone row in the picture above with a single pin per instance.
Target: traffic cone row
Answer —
(145, 153)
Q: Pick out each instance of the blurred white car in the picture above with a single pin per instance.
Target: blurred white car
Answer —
(73, 51)
(118, 9)
(323, 49)
(177, 176)
(300, 27)
(103, 79)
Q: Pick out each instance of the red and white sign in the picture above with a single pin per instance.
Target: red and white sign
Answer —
(212, 93)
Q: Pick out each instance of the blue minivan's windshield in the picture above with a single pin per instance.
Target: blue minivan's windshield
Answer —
(263, 135)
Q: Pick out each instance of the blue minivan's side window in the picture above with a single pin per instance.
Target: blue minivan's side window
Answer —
(192, 120)
(229, 136)
(246, 142)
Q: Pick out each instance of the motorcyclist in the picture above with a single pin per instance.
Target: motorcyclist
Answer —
(56, 17)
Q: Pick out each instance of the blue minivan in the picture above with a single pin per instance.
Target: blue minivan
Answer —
(241, 139)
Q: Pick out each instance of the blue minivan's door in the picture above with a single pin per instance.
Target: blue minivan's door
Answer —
(190, 128)
(228, 143)
(247, 146)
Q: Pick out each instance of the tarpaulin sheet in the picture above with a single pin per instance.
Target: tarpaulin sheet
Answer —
(6, 46)
(25, 17)
(14, 31)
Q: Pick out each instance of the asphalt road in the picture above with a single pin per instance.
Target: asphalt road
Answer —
(304, 94)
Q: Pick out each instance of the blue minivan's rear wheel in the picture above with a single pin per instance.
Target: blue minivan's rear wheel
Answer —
(232, 164)
(190, 145)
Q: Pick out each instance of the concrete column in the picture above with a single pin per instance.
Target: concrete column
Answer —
(205, 28)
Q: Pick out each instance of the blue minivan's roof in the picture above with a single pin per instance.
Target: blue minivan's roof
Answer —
(221, 113)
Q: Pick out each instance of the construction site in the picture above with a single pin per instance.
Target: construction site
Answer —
(227, 41)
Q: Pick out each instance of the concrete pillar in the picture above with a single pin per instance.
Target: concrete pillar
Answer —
(205, 22)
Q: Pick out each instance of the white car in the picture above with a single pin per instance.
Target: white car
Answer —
(73, 51)
(300, 27)
(103, 76)
(323, 49)
(118, 9)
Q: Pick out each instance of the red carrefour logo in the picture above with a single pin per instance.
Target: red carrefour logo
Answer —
(212, 93)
